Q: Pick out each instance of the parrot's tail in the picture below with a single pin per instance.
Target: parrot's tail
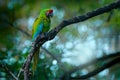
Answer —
(35, 60)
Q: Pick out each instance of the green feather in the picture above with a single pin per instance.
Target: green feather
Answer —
(35, 60)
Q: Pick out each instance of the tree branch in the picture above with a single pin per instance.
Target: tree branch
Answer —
(104, 58)
(109, 16)
(105, 66)
(49, 53)
(21, 30)
(6, 68)
(41, 39)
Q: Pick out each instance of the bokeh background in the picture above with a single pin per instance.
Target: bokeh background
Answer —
(73, 46)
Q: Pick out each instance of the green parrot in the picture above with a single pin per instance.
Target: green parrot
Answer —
(41, 25)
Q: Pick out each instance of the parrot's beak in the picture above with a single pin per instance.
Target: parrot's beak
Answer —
(51, 14)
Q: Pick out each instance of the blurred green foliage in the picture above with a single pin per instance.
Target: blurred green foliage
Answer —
(73, 45)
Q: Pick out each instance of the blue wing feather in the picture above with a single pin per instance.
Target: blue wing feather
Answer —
(38, 30)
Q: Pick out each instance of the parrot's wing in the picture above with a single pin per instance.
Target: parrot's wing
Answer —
(38, 30)
(34, 26)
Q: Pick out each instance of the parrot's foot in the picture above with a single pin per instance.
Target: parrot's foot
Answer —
(44, 36)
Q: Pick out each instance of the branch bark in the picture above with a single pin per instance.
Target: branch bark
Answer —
(105, 66)
(41, 39)
(104, 58)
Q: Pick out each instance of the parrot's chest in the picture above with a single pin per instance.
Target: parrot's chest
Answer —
(46, 25)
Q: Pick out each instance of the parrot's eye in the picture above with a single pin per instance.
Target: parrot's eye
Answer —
(49, 13)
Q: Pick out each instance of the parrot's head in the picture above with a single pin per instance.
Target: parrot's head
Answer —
(49, 13)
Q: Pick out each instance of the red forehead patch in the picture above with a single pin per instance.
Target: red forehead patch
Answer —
(50, 10)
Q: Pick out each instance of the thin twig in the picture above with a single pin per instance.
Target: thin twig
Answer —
(104, 58)
(109, 16)
(19, 73)
(54, 57)
(21, 30)
(6, 68)
(105, 66)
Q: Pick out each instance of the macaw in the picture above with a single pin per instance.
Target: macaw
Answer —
(41, 25)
